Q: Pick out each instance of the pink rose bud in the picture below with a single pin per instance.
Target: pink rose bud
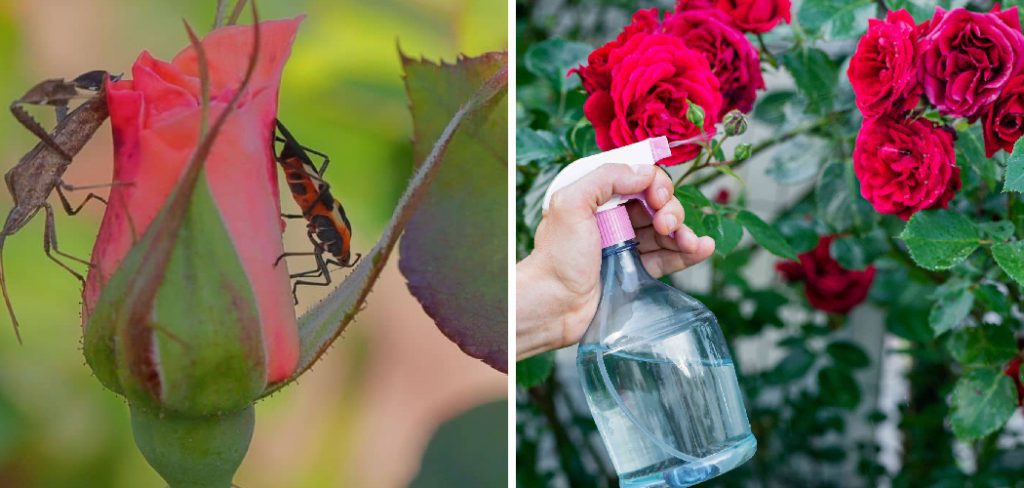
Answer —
(221, 323)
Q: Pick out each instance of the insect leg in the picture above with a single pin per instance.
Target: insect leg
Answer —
(70, 187)
(67, 204)
(29, 123)
(3, 288)
(293, 216)
(50, 243)
(323, 273)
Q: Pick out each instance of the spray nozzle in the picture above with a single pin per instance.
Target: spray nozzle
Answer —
(643, 153)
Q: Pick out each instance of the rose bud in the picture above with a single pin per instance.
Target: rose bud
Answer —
(185, 312)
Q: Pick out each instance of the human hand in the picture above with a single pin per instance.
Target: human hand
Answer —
(558, 284)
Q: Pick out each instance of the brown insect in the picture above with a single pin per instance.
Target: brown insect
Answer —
(40, 172)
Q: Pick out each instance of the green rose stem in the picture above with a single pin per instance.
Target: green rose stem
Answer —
(193, 452)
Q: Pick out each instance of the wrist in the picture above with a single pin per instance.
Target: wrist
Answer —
(538, 307)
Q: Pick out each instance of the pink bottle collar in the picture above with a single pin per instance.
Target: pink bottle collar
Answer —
(614, 226)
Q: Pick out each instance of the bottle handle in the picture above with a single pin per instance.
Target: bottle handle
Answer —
(647, 208)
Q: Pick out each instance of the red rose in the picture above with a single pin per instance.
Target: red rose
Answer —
(967, 58)
(755, 16)
(1003, 124)
(687, 5)
(883, 69)
(654, 78)
(828, 286)
(597, 74)
(733, 60)
(905, 166)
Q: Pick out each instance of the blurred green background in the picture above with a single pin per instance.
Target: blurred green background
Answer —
(365, 414)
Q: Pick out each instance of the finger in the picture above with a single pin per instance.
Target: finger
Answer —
(661, 263)
(669, 218)
(581, 199)
(660, 191)
(649, 240)
(637, 214)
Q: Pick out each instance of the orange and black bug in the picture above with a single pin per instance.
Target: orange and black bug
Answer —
(326, 224)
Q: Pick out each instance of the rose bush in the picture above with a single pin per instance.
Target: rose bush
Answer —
(896, 218)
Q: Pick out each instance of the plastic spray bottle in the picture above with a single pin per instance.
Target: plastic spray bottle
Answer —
(655, 367)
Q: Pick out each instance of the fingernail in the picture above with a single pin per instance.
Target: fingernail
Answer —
(662, 196)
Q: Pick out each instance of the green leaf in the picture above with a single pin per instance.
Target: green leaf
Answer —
(537, 145)
(970, 153)
(534, 370)
(983, 400)
(990, 299)
(859, 252)
(488, 75)
(839, 204)
(848, 354)
(552, 59)
(533, 200)
(454, 253)
(816, 75)
(838, 388)
(984, 345)
(800, 233)
(1015, 169)
(844, 17)
(766, 235)
(1001, 230)
(940, 239)
(770, 107)
(1010, 257)
(795, 365)
(692, 196)
(726, 233)
(953, 303)
(798, 159)
(468, 450)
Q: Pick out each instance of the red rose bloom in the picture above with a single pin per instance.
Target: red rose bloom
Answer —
(687, 5)
(905, 166)
(654, 78)
(755, 16)
(597, 74)
(883, 69)
(967, 58)
(1004, 122)
(828, 286)
(733, 60)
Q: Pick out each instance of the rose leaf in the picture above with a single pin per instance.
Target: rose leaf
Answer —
(953, 303)
(1010, 257)
(454, 253)
(983, 400)
(1015, 169)
(984, 345)
(766, 235)
(939, 239)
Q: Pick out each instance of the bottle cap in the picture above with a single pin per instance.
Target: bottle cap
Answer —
(614, 226)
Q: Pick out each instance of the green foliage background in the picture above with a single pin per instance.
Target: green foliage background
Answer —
(947, 285)
(342, 93)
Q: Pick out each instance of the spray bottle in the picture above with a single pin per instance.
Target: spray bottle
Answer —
(654, 365)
